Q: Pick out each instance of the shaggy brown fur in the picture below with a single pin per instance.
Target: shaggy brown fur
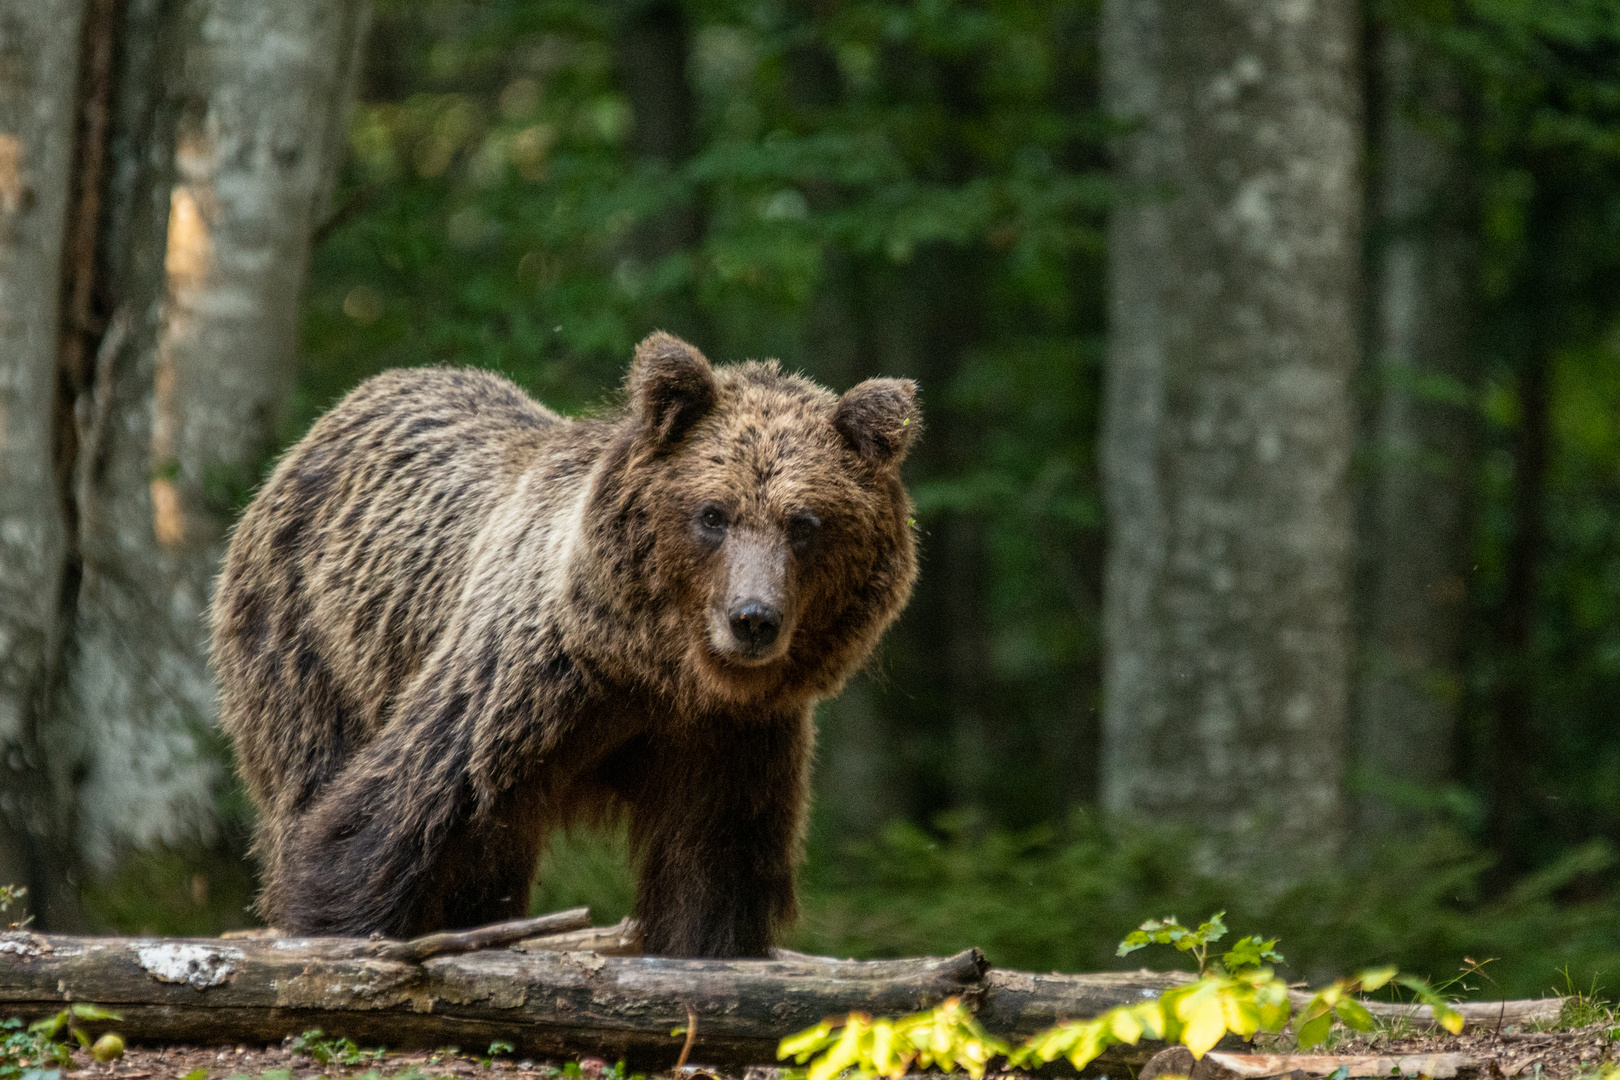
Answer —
(453, 621)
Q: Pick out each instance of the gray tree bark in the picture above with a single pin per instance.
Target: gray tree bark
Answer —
(1412, 533)
(138, 403)
(39, 49)
(1234, 258)
(261, 103)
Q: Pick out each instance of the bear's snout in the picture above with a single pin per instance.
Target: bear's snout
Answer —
(750, 621)
(755, 624)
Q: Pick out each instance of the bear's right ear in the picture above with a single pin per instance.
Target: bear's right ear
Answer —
(878, 419)
(671, 387)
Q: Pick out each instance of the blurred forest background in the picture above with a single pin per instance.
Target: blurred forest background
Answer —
(1270, 490)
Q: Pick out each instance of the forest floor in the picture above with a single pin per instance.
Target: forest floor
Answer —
(1570, 1054)
(1567, 1054)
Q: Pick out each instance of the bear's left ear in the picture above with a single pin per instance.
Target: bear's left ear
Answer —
(671, 386)
(878, 419)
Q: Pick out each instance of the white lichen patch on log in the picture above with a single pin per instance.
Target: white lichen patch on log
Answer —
(199, 966)
(22, 943)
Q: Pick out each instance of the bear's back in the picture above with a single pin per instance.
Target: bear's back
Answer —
(346, 567)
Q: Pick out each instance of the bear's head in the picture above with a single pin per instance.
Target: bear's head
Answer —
(768, 539)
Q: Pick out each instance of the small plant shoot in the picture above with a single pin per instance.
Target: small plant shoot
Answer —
(1247, 952)
(332, 1051)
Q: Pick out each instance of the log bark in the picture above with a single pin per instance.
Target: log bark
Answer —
(546, 1003)
(552, 1003)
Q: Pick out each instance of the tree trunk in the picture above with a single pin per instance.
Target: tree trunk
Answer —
(177, 351)
(1513, 737)
(653, 45)
(1413, 535)
(39, 49)
(1233, 255)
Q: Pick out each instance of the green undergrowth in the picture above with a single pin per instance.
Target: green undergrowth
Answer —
(1052, 898)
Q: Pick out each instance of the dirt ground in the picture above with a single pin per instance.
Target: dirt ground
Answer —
(1572, 1054)
(1549, 1055)
(222, 1063)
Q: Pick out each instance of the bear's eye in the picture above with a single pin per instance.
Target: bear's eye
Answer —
(803, 529)
(712, 520)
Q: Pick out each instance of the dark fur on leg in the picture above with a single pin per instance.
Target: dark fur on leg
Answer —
(717, 859)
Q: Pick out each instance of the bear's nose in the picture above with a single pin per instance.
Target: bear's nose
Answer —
(755, 624)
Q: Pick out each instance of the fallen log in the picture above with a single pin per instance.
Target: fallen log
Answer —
(544, 1001)
(1475, 1014)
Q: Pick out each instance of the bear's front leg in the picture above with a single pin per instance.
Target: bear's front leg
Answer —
(717, 822)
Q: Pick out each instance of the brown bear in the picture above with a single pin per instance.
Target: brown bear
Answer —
(453, 621)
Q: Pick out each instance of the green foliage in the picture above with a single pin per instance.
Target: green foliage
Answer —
(586, 870)
(1239, 995)
(191, 890)
(1042, 899)
(1543, 144)
(9, 895)
(1201, 1013)
(1584, 1008)
(496, 1049)
(332, 1051)
(1249, 952)
(110, 1047)
(572, 1071)
(26, 1053)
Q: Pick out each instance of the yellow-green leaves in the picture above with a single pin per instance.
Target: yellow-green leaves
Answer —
(948, 1037)
(1197, 1014)
(1335, 1000)
(1083, 1041)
